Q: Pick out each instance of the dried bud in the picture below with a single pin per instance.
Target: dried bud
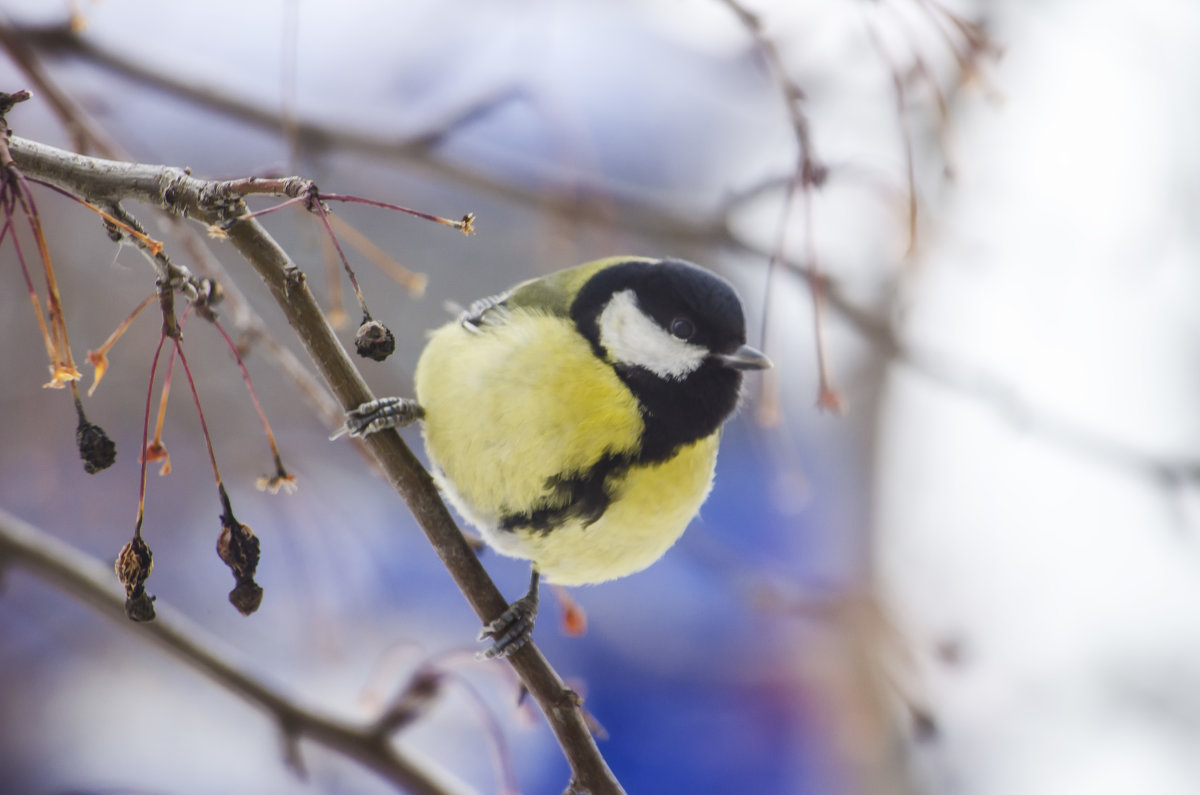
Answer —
(133, 567)
(239, 548)
(374, 340)
(95, 448)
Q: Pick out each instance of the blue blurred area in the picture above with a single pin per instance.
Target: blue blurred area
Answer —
(695, 736)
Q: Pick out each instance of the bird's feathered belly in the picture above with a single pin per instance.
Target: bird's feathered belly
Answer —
(534, 440)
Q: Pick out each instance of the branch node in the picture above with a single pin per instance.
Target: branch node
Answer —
(173, 193)
(7, 101)
(293, 276)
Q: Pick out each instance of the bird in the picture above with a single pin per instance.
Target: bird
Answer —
(575, 418)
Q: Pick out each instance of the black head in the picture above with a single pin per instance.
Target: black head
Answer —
(676, 335)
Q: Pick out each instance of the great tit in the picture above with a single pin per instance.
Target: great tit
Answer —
(575, 418)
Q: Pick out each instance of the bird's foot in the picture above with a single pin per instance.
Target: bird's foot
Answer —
(514, 628)
(380, 414)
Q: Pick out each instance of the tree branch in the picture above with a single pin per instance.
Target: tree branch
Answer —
(416, 151)
(92, 583)
(214, 202)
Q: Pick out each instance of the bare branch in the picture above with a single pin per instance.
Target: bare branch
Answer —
(92, 583)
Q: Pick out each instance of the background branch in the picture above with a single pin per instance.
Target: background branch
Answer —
(91, 582)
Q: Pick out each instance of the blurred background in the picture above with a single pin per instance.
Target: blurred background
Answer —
(952, 546)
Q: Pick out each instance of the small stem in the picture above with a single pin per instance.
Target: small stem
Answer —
(779, 252)
(62, 362)
(163, 396)
(828, 397)
(212, 456)
(413, 282)
(901, 99)
(323, 213)
(262, 416)
(58, 321)
(33, 296)
(226, 506)
(465, 224)
(141, 509)
(497, 743)
(335, 292)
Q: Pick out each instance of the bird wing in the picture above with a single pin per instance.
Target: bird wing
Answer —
(551, 295)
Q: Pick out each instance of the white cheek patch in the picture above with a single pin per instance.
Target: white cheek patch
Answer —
(630, 337)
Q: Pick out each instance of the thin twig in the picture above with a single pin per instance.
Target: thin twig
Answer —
(901, 98)
(145, 459)
(792, 94)
(281, 479)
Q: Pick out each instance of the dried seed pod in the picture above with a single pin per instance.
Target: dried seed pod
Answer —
(134, 564)
(239, 548)
(133, 567)
(95, 448)
(374, 340)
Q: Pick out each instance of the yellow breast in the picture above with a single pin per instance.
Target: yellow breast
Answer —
(526, 401)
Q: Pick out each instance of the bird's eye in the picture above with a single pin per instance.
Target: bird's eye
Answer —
(682, 328)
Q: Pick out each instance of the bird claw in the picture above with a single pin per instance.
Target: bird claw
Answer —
(379, 414)
(512, 630)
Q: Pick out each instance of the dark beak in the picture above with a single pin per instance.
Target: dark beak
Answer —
(744, 358)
